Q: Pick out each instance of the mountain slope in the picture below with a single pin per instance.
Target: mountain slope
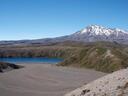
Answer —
(95, 33)
(101, 56)
(115, 84)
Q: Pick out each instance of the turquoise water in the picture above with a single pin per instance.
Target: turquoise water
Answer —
(31, 60)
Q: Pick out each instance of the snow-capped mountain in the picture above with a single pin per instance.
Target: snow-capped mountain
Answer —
(99, 30)
(95, 33)
(90, 33)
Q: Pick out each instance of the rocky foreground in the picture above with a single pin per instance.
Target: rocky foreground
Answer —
(115, 84)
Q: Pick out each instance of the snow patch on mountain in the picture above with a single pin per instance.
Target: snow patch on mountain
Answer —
(100, 30)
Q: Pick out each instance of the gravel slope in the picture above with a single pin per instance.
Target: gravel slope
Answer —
(44, 80)
(115, 84)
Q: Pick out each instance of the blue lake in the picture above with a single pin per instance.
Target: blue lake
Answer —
(31, 60)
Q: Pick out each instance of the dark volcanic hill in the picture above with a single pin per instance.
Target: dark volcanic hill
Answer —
(4, 66)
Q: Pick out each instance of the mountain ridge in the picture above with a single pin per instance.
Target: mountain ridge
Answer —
(92, 33)
(98, 29)
(95, 33)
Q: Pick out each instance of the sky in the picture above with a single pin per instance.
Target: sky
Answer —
(35, 19)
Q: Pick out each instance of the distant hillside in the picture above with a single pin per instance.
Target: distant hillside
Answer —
(53, 50)
(101, 56)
